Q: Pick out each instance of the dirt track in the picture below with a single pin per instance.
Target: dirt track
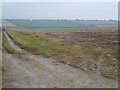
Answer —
(47, 73)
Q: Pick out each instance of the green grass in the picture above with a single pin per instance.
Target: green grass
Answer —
(7, 46)
(37, 45)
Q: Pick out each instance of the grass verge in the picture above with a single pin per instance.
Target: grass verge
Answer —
(6, 45)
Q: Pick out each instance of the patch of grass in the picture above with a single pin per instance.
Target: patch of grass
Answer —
(6, 45)
(36, 45)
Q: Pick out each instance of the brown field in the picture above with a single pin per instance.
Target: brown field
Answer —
(94, 49)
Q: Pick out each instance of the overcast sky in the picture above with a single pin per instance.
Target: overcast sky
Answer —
(60, 10)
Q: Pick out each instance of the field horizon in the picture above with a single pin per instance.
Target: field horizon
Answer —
(57, 23)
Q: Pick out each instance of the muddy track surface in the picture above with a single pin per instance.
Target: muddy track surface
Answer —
(47, 73)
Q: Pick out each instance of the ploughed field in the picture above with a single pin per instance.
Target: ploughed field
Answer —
(94, 49)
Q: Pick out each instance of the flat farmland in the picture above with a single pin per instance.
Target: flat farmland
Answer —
(36, 24)
(93, 49)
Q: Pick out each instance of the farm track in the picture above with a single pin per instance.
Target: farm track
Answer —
(47, 73)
